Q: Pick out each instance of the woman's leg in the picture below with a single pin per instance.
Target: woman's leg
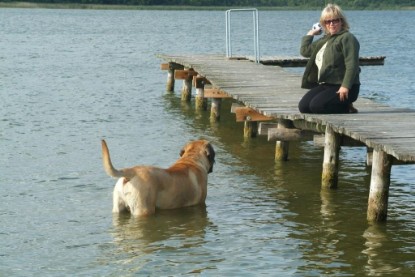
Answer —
(328, 101)
(304, 104)
(324, 99)
(353, 94)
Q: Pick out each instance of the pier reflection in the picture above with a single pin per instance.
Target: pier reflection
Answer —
(376, 238)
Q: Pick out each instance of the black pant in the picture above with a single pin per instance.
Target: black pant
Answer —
(325, 99)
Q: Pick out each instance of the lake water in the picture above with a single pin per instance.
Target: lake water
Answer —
(69, 78)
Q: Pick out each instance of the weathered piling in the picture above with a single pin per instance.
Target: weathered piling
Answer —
(216, 96)
(200, 100)
(250, 117)
(281, 146)
(215, 109)
(186, 75)
(171, 68)
(187, 89)
(250, 129)
(330, 173)
(170, 80)
(379, 186)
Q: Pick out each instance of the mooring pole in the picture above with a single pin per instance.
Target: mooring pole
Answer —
(331, 159)
(199, 83)
(170, 67)
(170, 79)
(379, 186)
(281, 147)
(187, 88)
(250, 129)
(215, 109)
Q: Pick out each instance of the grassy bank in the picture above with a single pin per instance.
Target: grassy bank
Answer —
(30, 5)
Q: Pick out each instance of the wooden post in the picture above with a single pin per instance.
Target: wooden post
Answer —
(187, 76)
(215, 109)
(281, 150)
(250, 117)
(369, 156)
(170, 80)
(331, 159)
(199, 83)
(187, 89)
(216, 95)
(281, 147)
(379, 186)
(170, 67)
(250, 129)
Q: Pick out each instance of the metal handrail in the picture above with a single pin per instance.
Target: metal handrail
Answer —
(256, 31)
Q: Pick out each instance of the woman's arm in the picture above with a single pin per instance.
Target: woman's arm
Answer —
(350, 51)
(307, 46)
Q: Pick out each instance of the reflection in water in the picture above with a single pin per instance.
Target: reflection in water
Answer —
(325, 252)
(330, 240)
(327, 207)
(137, 239)
(375, 236)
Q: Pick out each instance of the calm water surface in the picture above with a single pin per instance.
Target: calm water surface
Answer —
(71, 77)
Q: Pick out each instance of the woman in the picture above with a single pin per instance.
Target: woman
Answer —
(332, 72)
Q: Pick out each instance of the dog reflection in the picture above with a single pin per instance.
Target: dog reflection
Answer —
(140, 236)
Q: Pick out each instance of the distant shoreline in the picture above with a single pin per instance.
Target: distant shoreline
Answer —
(31, 5)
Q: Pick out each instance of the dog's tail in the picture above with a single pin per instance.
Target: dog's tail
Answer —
(106, 160)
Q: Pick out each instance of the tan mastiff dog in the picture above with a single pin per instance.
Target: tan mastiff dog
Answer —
(142, 189)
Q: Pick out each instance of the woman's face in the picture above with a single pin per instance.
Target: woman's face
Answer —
(333, 25)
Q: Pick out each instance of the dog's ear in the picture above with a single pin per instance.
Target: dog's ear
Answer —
(210, 154)
(181, 152)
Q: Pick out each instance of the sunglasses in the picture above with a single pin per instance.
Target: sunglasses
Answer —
(334, 21)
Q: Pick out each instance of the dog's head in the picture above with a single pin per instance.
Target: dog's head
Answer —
(200, 147)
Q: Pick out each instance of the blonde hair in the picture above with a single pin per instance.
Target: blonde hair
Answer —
(334, 11)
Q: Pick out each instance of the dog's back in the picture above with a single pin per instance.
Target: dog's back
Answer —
(142, 189)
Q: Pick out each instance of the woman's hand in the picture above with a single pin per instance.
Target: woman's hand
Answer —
(314, 32)
(343, 93)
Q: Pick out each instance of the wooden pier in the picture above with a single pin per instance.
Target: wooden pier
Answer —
(266, 100)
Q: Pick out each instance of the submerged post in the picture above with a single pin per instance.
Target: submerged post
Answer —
(281, 147)
(170, 80)
(215, 109)
(199, 83)
(187, 75)
(379, 186)
(250, 129)
(331, 159)
(187, 89)
(171, 68)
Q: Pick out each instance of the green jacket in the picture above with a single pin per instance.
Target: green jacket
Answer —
(340, 61)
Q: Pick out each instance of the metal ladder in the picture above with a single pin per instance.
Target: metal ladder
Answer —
(255, 20)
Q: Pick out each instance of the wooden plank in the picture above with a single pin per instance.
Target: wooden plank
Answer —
(216, 93)
(183, 74)
(170, 66)
(249, 114)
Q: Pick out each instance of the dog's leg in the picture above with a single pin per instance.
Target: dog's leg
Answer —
(118, 202)
(142, 205)
(140, 198)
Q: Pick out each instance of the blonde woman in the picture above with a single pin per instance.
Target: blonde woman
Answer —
(332, 72)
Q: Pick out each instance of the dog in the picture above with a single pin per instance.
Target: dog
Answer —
(141, 190)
